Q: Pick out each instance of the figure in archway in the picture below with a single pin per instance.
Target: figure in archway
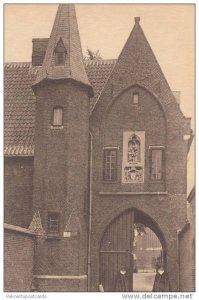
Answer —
(161, 282)
(122, 281)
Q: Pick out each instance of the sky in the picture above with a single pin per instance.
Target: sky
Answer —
(169, 29)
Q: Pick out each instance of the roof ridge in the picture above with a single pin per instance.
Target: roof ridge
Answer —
(107, 61)
(17, 64)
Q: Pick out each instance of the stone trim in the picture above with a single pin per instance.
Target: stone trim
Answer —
(130, 193)
(19, 155)
(72, 277)
(18, 229)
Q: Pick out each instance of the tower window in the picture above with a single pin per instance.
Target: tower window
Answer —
(60, 54)
(110, 164)
(135, 98)
(58, 116)
(60, 58)
(156, 164)
(53, 222)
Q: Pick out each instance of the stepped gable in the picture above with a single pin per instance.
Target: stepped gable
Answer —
(64, 34)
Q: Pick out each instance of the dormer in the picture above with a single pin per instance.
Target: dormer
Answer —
(60, 53)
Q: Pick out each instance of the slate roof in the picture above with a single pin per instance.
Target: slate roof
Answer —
(19, 104)
(65, 29)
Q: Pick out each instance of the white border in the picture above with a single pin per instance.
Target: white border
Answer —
(96, 296)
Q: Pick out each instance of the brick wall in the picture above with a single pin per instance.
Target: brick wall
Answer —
(61, 176)
(131, 118)
(18, 260)
(187, 249)
(185, 260)
(18, 190)
(162, 209)
(64, 284)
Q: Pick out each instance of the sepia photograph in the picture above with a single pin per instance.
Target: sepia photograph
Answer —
(99, 147)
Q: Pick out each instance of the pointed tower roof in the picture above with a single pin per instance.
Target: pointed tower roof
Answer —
(137, 65)
(65, 36)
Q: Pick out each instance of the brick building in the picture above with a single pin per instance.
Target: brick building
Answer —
(186, 236)
(90, 149)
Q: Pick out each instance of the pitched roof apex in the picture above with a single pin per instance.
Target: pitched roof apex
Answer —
(72, 67)
(137, 20)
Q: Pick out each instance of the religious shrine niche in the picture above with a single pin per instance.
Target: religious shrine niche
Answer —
(133, 157)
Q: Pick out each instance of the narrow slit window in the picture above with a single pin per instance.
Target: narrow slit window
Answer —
(156, 164)
(57, 116)
(135, 98)
(110, 165)
(53, 222)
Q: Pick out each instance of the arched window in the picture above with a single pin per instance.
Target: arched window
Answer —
(58, 116)
(134, 149)
(60, 54)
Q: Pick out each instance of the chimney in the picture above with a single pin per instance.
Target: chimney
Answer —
(38, 51)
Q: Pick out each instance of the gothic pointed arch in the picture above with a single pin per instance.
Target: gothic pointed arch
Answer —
(60, 53)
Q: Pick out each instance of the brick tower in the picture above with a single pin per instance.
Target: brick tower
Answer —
(62, 92)
(136, 108)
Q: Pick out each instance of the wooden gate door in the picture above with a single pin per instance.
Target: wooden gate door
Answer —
(116, 252)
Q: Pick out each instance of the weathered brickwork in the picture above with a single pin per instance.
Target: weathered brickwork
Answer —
(187, 249)
(159, 117)
(61, 164)
(18, 261)
(69, 284)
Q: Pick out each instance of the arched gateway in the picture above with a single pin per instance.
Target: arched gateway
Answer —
(117, 248)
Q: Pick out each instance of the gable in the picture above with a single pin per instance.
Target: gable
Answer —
(137, 64)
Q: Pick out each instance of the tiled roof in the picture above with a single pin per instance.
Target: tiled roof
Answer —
(98, 73)
(20, 102)
(19, 109)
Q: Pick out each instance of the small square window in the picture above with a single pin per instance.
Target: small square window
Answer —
(53, 222)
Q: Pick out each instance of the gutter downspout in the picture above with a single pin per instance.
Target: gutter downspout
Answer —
(90, 216)
(178, 256)
(179, 231)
